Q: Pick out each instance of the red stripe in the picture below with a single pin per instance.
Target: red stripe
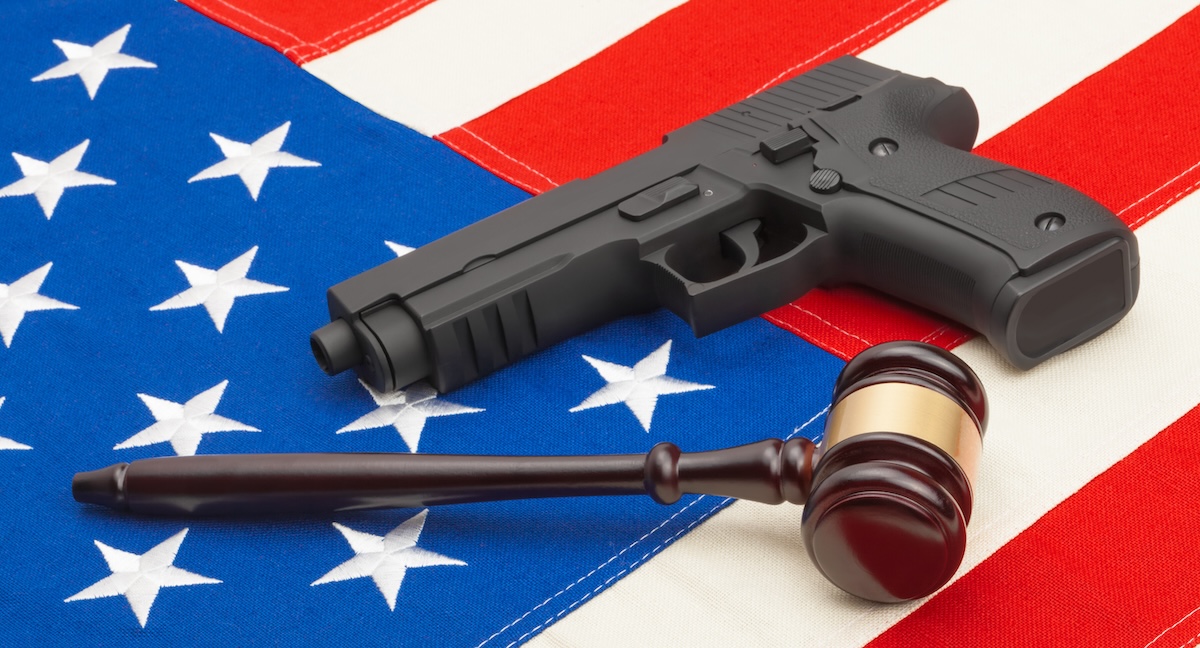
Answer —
(306, 30)
(1126, 135)
(685, 64)
(847, 320)
(1116, 563)
(1113, 565)
(1116, 135)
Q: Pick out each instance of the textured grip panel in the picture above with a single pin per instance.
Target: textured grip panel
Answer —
(981, 189)
(930, 170)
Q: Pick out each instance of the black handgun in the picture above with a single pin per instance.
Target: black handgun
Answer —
(848, 173)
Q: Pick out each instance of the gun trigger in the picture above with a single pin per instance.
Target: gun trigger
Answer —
(740, 243)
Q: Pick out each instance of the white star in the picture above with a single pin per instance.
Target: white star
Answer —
(216, 289)
(406, 410)
(184, 425)
(20, 297)
(386, 558)
(47, 180)
(139, 577)
(251, 162)
(400, 250)
(638, 386)
(93, 63)
(9, 444)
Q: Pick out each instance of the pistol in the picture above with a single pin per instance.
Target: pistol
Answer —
(847, 173)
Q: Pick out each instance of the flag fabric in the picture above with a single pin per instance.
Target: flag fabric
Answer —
(187, 181)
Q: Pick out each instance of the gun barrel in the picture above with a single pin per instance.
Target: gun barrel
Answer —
(848, 173)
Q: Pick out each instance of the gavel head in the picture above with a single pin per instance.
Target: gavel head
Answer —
(892, 486)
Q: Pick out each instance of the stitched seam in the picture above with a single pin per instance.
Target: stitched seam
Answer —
(703, 517)
(589, 574)
(889, 30)
(898, 24)
(847, 39)
(1172, 627)
(621, 573)
(960, 339)
(928, 338)
(655, 550)
(1170, 201)
(244, 29)
(946, 333)
(379, 24)
(383, 20)
(934, 333)
(831, 324)
(364, 20)
(906, 19)
(809, 422)
(768, 84)
(491, 168)
(1164, 186)
(496, 149)
(785, 325)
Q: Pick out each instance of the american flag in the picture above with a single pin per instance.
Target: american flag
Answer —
(188, 179)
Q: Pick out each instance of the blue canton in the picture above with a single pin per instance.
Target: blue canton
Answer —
(169, 223)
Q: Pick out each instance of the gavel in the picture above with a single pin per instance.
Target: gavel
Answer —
(887, 494)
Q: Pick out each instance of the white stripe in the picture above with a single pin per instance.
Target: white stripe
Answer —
(454, 60)
(742, 578)
(1015, 56)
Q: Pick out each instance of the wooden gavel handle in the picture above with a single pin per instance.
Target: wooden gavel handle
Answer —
(770, 471)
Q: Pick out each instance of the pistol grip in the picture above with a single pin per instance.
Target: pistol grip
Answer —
(1034, 265)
